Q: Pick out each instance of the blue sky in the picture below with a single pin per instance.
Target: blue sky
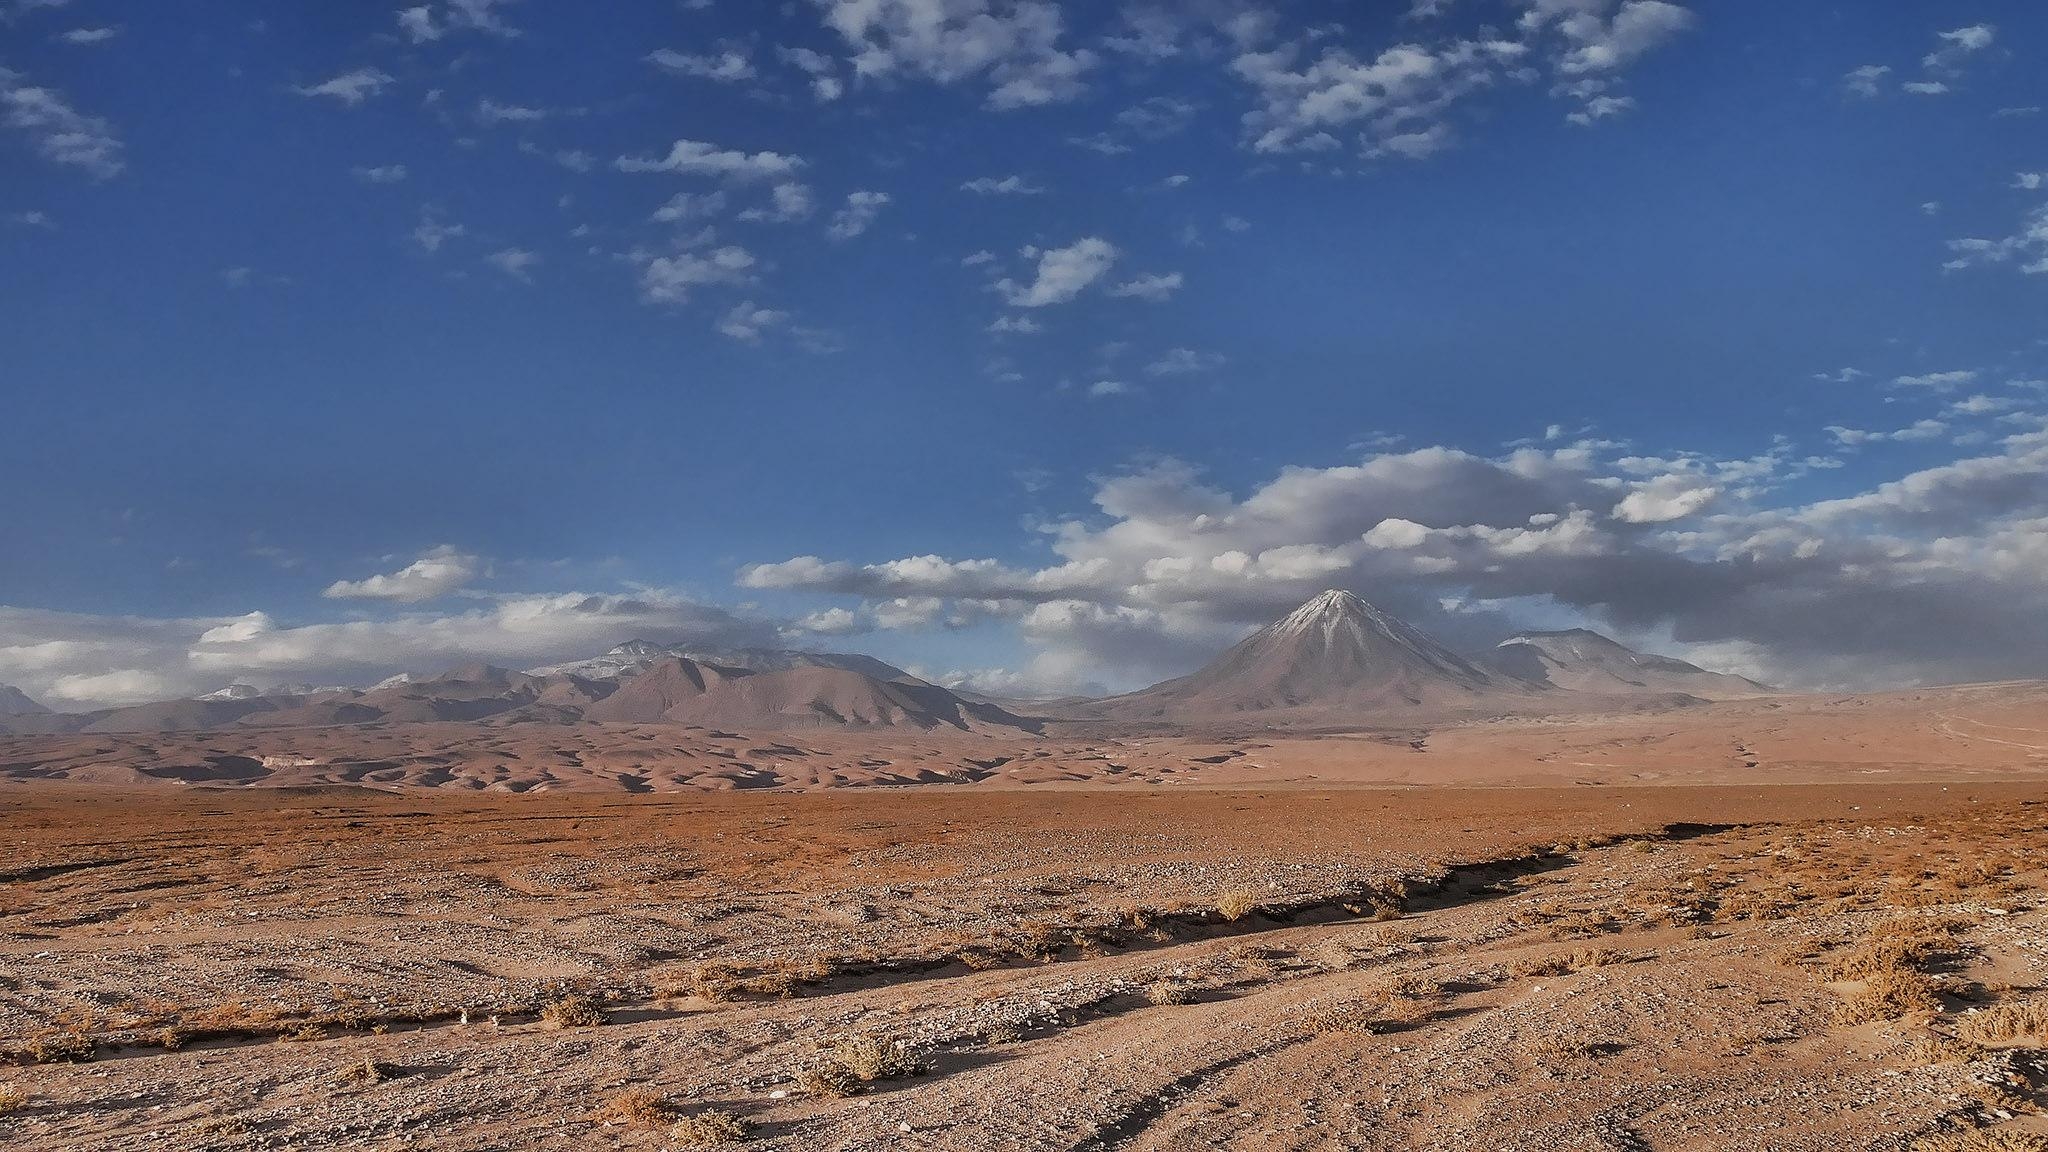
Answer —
(1039, 347)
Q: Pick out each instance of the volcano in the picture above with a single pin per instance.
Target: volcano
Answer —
(1335, 653)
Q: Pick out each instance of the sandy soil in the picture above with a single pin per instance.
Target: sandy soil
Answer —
(1771, 967)
(1973, 732)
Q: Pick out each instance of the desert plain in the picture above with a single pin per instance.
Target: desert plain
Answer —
(1790, 922)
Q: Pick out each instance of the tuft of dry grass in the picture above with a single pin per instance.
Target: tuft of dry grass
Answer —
(1937, 1049)
(636, 1108)
(368, 1072)
(708, 1129)
(1563, 963)
(1165, 992)
(2007, 1022)
(1236, 903)
(573, 1010)
(851, 1063)
(1888, 996)
(12, 1099)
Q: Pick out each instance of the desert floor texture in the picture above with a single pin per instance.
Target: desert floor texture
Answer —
(1757, 966)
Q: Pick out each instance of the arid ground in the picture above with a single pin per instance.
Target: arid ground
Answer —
(1742, 966)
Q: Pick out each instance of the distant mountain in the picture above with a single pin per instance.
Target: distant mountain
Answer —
(1579, 660)
(1335, 653)
(15, 702)
(635, 656)
(680, 690)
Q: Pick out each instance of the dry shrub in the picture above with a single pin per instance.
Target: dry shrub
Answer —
(1938, 1049)
(709, 1129)
(714, 982)
(851, 1063)
(12, 1099)
(1889, 995)
(1337, 1019)
(1983, 1140)
(1236, 903)
(1585, 958)
(1165, 992)
(2007, 1022)
(368, 1072)
(636, 1108)
(62, 1048)
(573, 1010)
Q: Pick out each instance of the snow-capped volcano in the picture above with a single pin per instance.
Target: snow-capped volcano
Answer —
(1337, 652)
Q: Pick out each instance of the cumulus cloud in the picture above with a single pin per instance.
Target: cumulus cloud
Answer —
(696, 158)
(517, 263)
(1936, 576)
(83, 661)
(435, 574)
(746, 321)
(1062, 273)
(670, 279)
(62, 134)
(1011, 45)
(857, 215)
(1863, 82)
(426, 23)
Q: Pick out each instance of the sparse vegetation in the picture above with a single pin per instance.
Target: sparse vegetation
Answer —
(369, 1072)
(848, 1065)
(636, 1108)
(1888, 995)
(62, 1048)
(1235, 904)
(12, 1099)
(2007, 1022)
(573, 1010)
(708, 1129)
(1165, 992)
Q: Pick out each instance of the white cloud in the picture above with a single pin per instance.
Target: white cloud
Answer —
(729, 66)
(514, 262)
(1665, 499)
(1184, 362)
(432, 232)
(1103, 388)
(831, 622)
(746, 322)
(1012, 44)
(1924, 87)
(87, 36)
(1938, 381)
(61, 133)
(380, 174)
(1006, 186)
(1151, 286)
(492, 112)
(1958, 46)
(696, 158)
(687, 206)
(825, 84)
(1018, 325)
(435, 574)
(350, 88)
(669, 279)
(787, 201)
(1918, 430)
(420, 25)
(1600, 108)
(1062, 273)
(1598, 44)
(858, 214)
(1863, 82)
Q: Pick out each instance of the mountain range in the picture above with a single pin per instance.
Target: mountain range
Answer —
(1334, 659)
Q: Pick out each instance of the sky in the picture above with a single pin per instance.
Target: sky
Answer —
(1034, 347)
